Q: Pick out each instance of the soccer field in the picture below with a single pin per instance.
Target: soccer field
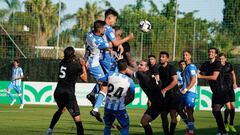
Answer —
(35, 119)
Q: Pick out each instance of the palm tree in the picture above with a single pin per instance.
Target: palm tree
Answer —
(47, 15)
(12, 5)
(86, 16)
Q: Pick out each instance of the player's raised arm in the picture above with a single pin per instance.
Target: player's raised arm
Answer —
(83, 76)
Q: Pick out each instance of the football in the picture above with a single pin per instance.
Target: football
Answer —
(145, 26)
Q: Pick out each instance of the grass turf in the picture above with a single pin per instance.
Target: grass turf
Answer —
(35, 119)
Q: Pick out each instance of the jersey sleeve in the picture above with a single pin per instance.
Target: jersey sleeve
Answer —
(231, 67)
(20, 72)
(193, 70)
(103, 44)
(203, 67)
(132, 85)
(173, 71)
(217, 67)
(110, 33)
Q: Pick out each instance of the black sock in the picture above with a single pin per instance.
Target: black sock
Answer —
(226, 113)
(219, 120)
(165, 130)
(232, 115)
(148, 129)
(172, 128)
(79, 126)
(55, 118)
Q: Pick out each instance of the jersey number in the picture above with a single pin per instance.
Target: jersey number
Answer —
(117, 93)
(62, 72)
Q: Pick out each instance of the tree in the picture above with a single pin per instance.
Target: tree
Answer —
(46, 14)
(169, 10)
(86, 16)
(231, 19)
(12, 5)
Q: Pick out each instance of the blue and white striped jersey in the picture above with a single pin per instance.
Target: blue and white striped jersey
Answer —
(94, 44)
(16, 73)
(118, 85)
(109, 33)
(179, 78)
(189, 72)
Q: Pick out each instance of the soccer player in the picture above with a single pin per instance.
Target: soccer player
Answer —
(182, 65)
(230, 79)
(107, 61)
(64, 95)
(214, 75)
(147, 82)
(189, 90)
(153, 66)
(17, 76)
(118, 84)
(169, 89)
(181, 110)
(95, 42)
(111, 19)
(126, 49)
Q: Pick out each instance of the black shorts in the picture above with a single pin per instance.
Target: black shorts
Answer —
(219, 98)
(154, 111)
(172, 102)
(65, 98)
(230, 96)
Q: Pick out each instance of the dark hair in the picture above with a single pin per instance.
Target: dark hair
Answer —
(214, 48)
(222, 54)
(122, 65)
(181, 62)
(188, 51)
(98, 25)
(16, 60)
(164, 53)
(69, 53)
(151, 55)
(110, 11)
(116, 28)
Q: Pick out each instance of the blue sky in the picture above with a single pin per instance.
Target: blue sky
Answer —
(208, 9)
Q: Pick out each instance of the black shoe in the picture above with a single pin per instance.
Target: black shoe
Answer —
(96, 115)
(91, 98)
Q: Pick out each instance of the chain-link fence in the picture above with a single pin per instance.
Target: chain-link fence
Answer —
(34, 31)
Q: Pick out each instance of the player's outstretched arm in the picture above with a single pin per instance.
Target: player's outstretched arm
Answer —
(211, 77)
(121, 41)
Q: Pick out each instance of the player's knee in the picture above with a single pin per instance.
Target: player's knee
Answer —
(77, 118)
(232, 106)
(216, 107)
(145, 120)
(104, 91)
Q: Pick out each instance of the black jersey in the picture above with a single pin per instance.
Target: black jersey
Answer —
(148, 83)
(154, 69)
(68, 73)
(209, 68)
(166, 74)
(227, 70)
(126, 48)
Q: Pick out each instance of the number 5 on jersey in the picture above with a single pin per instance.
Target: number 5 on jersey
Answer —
(62, 73)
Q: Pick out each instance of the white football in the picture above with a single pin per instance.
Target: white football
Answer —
(145, 26)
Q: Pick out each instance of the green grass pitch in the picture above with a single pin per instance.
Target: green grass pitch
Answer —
(35, 119)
